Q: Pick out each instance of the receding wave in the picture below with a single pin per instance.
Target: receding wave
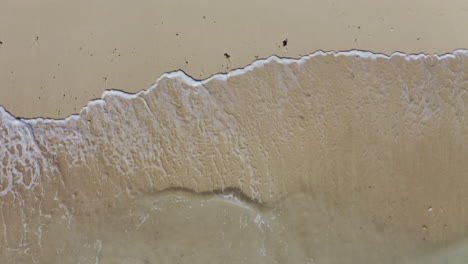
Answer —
(379, 139)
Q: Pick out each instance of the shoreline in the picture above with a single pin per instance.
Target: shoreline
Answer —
(223, 76)
(52, 67)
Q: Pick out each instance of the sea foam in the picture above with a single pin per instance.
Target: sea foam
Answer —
(24, 141)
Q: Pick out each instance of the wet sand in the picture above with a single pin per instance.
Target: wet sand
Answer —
(351, 157)
(334, 158)
(58, 56)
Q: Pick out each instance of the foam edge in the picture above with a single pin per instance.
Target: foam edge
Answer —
(189, 80)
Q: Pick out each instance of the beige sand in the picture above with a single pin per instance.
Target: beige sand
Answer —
(56, 56)
(335, 160)
(338, 159)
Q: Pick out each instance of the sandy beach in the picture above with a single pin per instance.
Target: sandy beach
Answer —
(346, 146)
(57, 56)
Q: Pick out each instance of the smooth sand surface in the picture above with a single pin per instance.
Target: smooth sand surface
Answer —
(56, 55)
(335, 158)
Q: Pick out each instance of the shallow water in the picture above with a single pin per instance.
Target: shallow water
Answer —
(333, 158)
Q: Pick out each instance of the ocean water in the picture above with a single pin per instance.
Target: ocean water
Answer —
(337, 157)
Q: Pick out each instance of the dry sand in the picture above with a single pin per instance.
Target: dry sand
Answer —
(56, 55)
(334, 158)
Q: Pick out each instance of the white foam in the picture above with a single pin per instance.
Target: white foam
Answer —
(22, 134)
(21, 159)
(188, 80)
(233, 199)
